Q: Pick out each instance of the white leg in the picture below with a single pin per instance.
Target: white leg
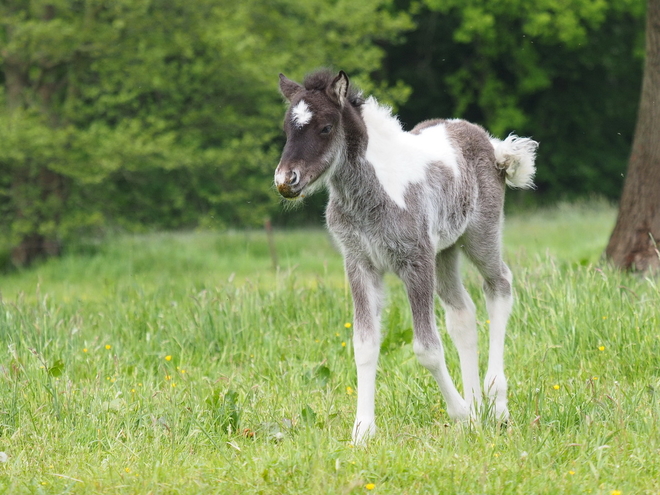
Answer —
(433, 359)
(495, 385)
(366, 361)
(462, 327)
(367, 291)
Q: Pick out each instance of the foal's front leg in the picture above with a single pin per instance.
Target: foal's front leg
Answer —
(367, 289)
(420, 281)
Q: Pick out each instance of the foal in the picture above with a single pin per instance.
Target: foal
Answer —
(406, 202)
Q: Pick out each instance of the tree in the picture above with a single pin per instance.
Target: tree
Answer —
(159, 113)
(635, 241)
(568, 73)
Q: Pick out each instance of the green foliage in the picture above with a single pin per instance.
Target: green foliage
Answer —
(153, 114)
(162, 114)
(567, 73)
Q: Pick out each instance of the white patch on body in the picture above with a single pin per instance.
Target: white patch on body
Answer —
(401, 158)
(301, 114)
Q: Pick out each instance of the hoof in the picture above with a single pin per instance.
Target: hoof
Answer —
(363, 430)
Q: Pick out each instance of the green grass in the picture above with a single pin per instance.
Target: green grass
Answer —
(258, 393)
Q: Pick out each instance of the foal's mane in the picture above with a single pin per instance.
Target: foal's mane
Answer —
(319, 80)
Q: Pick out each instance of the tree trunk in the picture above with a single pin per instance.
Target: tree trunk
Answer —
(635, 241)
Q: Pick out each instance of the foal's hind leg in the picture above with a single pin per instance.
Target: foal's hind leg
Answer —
(485, 254)
(460, 317)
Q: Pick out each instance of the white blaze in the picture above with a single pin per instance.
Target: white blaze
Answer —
(301, 114)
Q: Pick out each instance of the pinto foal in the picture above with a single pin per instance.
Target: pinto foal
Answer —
(407, 202)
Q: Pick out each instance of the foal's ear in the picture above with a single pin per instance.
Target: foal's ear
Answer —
(288, 87)
(339, 87)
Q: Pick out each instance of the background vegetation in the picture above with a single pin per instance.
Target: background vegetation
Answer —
(152, 114)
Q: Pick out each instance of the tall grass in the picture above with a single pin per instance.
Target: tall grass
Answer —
(183, 363)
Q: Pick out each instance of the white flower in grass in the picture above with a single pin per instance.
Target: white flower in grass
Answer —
(3, 457)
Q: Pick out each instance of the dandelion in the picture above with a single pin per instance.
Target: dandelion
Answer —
(556, 387)
(604, 317)
(85, 349)
(168, 377)
(347, 325)
(168, 358)
(370, 486)
(349, 390)
(595, 378)
(183, 371)
(615, 492)
(488, 321)
(601, 348)
(174, 385)
(108, 347)
(343, 344)
(132, 390)
(128, 470)
(336, 334)
(571, 473)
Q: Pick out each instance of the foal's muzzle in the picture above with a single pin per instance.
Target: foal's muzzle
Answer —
(288, 183)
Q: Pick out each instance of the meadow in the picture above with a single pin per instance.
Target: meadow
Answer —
(183, 363)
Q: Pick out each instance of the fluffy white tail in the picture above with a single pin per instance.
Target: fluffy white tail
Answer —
(516, 156)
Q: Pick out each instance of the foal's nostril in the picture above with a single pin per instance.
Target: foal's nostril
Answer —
(294, 178)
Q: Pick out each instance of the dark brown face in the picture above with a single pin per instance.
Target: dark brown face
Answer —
(314, 138)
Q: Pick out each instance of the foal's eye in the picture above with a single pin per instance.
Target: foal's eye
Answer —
(326, 129)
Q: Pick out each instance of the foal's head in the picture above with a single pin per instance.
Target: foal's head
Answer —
(315, 127)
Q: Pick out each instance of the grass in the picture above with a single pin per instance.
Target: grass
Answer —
(182, 363)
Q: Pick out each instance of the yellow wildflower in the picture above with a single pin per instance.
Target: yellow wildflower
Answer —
(556, 387)
(108, 346)
(370, 486)
(347, 325)
(168, 358)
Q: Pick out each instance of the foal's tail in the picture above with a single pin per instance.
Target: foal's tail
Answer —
(516, 156)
